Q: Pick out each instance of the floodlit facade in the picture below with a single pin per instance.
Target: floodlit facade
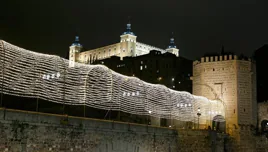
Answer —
(231, 81)
(127, 47)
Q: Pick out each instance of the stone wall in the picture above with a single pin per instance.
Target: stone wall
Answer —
(205, 141)
(201, 141)
(32, 132)
(22, 131)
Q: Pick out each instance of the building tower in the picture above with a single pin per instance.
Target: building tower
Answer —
(172, 48)
(232, 81)
(74, 51)
(127, 42)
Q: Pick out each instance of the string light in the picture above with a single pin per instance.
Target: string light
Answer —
(29, 74)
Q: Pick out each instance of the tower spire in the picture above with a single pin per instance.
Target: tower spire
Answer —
(76, 38)
(76, 42)
(172, 41)
(128, 29)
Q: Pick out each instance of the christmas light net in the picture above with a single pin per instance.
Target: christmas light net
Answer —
(29, 74)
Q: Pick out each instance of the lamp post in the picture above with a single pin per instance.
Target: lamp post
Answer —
(198, 115)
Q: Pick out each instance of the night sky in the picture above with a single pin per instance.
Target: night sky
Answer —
(199, 26)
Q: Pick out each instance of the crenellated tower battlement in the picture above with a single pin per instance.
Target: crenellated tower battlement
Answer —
(220, 58)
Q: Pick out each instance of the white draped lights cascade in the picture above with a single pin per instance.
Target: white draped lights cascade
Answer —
(29, 74)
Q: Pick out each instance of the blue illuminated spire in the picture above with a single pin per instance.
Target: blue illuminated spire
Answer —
(172, 42)
(128, 30)
(76, 42)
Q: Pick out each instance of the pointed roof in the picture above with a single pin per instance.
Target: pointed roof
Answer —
(76, 42)
(172, 42)
(128, 29)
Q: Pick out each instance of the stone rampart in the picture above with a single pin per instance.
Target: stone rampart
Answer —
(32, 132)
(22, 131)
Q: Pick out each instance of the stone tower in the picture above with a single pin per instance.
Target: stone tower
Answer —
(74, 51)
(172, 48)
(128, 42)
(233, 81)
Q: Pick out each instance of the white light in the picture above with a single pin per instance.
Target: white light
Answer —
(169, 126)
(178, 105)
(172, 79)
(44, 76)
(198, 109)
(138, 93)
(124, 94)
(128, 94)
(133, 93)
(189, 105)
(58, 75)
(150, 111)
(173, 86)
(53, 76)
(48, 76)
(185, 105)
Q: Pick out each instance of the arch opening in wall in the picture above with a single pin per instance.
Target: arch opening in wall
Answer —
(264, 126)
(219, 123)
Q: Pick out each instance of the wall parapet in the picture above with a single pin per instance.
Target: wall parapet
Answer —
(218, 58)
(31, 132)
(153, 47)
